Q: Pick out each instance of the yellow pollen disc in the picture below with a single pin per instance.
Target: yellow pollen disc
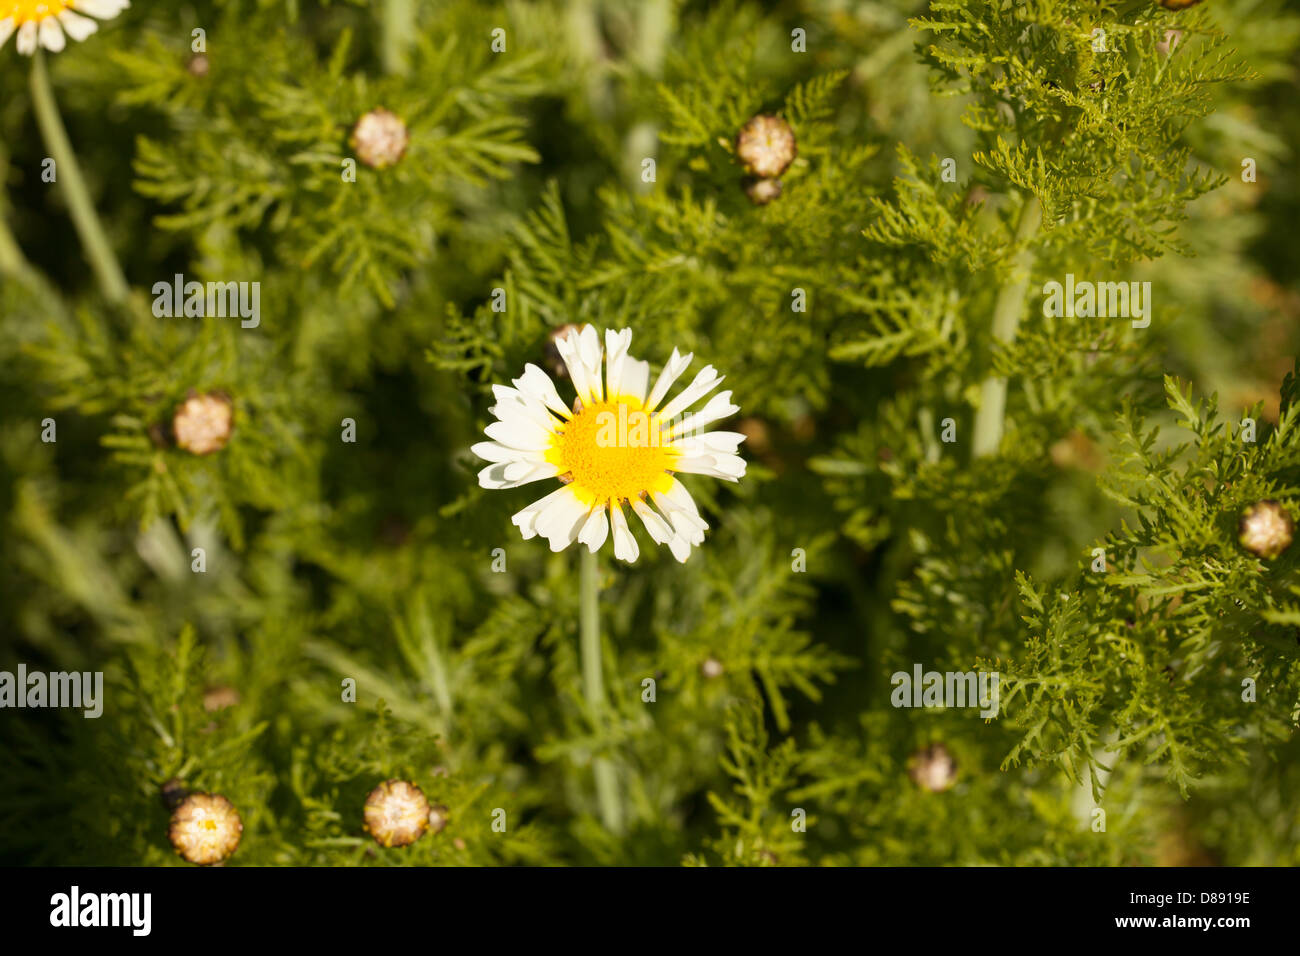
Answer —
(613, 450)
(24, 10)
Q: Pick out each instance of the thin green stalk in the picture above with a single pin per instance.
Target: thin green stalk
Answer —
(593, 682)
(1006, 320)
(89, 230)
(11, 257)
(398, 29)
(586, 44)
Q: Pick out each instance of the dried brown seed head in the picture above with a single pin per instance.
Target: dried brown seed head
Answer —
(765, 146)
(205, 828)
(763, 191)
(1266, 529)
(380, 138)
(933, 768)
(396, 813)
(202, 423)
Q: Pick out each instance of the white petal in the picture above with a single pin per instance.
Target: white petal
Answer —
(710, 443)
(659, 529)
(625, 546)
(520, 434)
(690, 527)
(512, 474)
(522, 472)
(27, 38)
(524, 410)
(616, 346)
(726, 467)
(77, 27)
(731, 466)
(6, 30)
(52, 37)
(491, 451)
(568, 346)
(677, 364)
(535, 407)
(504, 393)
(493, 477)
(526, 520)
(103, 9)
(682, 513)
(537, 384)
(718, 408)
(562, 520)
(595, 530)
(705, 381)
(676, 498)
(589, 353)
(680, 547)
(636, 376)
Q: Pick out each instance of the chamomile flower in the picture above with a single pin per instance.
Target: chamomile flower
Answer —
(48, 23)
(620, 444)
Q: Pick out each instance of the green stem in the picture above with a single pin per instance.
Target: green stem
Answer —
(593, 683)
(1006, 320)
(89, 230)
(398, 30)
(586, 44)
(11, 257)
(654, 27)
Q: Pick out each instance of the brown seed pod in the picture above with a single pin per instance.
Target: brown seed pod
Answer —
(219, 698)
(396, 813)
(763, 191)
(439, 815)
(766, 146)
(379, 138)
(205, 828)
(1077, 450)
(933, 768)
(1266, 529)
(202, 423)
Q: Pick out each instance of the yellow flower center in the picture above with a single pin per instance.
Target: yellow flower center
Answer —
(24, 10)
(612, 450)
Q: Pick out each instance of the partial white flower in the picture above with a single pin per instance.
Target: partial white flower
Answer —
(615, 446)
(49, 23)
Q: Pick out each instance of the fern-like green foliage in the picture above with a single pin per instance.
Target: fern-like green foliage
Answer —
(580, 167)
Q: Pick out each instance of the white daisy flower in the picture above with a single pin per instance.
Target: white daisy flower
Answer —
(620, 444)
(47, 23)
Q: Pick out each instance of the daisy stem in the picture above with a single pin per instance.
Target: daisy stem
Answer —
(1006, 320)
(398, 29)
(593, 682)
(98, 250)
(11, 257)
